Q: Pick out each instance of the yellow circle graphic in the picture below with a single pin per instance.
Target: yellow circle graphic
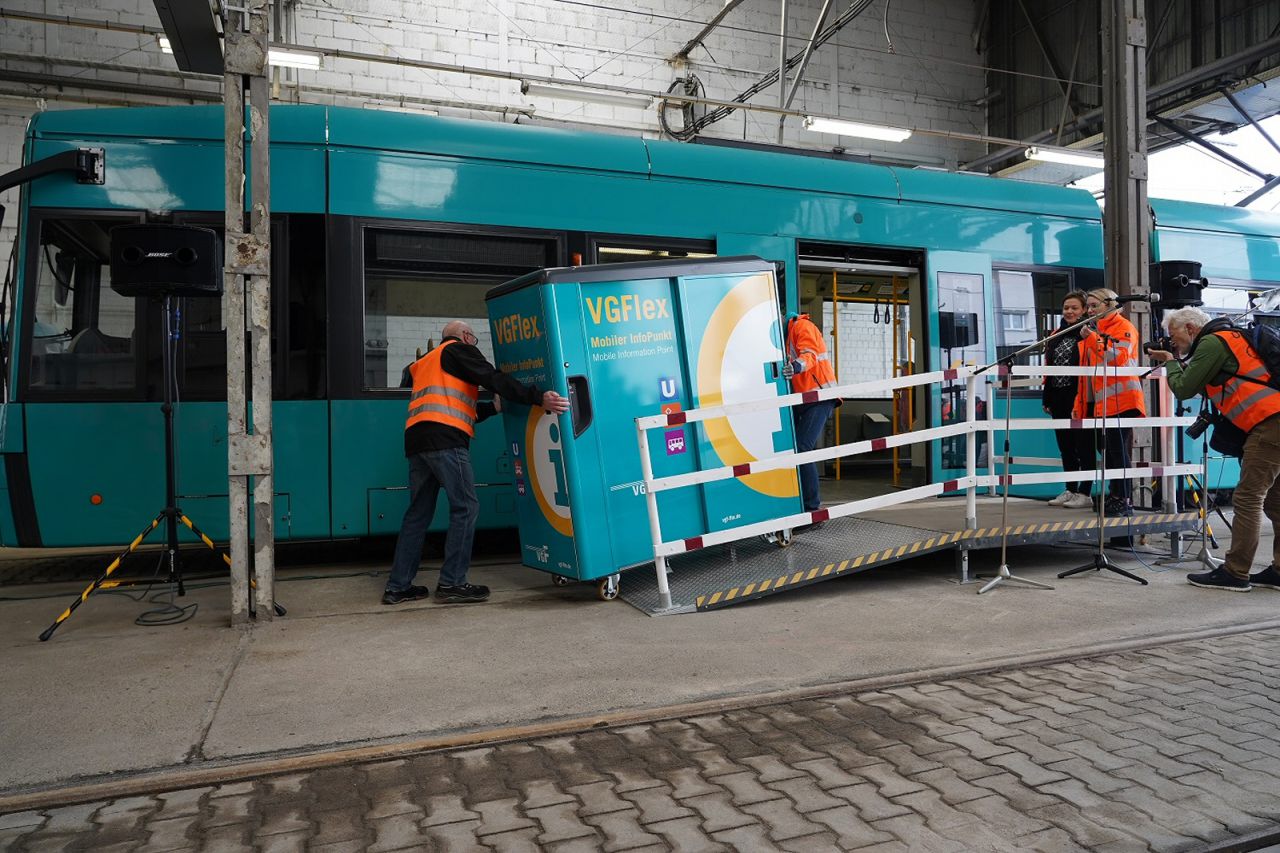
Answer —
(544, 460)
(742, 321)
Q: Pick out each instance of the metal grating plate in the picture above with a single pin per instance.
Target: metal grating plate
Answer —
(754, 561)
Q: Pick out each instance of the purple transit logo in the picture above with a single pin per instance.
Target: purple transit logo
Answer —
(675, 441)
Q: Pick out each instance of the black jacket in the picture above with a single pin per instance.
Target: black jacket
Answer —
(468, 364)
(1060, 391)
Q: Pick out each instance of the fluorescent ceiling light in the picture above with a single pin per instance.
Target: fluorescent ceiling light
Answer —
(854, 128)
(593, 96)
(1066, 156)
(276, 56)
(392, 108)
(294, 59)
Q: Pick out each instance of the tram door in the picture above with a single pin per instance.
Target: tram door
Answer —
(867, 311)
(961, 314)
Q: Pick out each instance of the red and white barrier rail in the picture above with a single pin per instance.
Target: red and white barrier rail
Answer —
(968, 428)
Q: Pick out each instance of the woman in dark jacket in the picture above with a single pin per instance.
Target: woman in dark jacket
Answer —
(1075, 445)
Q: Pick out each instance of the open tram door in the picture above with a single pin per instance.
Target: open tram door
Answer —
(868, 301)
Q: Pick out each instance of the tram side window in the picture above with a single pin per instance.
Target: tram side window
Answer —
(1028, 306)
(416, 282)
(403, 315)
(82, 337)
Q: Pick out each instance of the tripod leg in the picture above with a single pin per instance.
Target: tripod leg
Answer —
(1078, 569)
(115, 564)
(1130, 575)
(277, 606)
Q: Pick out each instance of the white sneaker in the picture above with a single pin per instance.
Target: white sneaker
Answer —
(1061, 499)
(1079, 501)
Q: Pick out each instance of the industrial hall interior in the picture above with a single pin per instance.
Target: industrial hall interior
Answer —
(573, 425)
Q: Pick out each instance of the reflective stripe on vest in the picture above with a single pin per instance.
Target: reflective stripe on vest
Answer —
(1121, 393)
(1245, 403)
(440, 397)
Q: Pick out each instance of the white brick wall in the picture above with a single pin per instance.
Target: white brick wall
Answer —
(929, 81)
(865, 351)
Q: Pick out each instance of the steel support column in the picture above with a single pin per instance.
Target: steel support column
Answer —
(246, 309)
(1127, 220)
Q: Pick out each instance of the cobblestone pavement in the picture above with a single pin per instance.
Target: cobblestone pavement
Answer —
(1168, 748)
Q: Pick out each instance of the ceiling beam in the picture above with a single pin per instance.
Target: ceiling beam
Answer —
(1211, 71)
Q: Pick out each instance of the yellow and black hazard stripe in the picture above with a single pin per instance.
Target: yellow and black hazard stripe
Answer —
(967, 539)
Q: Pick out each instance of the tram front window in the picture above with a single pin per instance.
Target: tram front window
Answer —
(82, 334)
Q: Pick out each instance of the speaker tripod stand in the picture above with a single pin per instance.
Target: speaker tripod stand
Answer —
(171, 515)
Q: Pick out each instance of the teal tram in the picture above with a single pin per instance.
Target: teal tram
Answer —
(386, 225)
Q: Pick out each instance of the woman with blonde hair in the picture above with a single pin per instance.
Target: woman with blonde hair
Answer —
(1112, 342)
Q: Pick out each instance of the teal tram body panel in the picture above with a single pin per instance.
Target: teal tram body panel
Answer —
(628, 341)
(477, 204)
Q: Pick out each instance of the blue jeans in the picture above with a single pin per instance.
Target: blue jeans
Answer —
(810, 420)
(428, 472)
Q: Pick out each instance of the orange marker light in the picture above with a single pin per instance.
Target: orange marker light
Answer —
(95, 499)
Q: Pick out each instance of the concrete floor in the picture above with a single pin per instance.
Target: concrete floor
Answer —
(105, 695)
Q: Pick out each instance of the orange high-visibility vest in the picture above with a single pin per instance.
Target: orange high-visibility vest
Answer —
(1246, 404)
(804, 343)
(441, 397)
(1122, 393)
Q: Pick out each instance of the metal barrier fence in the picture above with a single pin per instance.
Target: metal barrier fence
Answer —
(970, 482)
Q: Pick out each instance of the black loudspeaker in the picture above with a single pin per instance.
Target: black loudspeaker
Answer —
(165, 260)
(957, 330)
(1178, 283)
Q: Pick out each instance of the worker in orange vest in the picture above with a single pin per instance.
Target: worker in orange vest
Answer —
(809, 369)
(1223, 366)
(443, 411)
(1109, 343)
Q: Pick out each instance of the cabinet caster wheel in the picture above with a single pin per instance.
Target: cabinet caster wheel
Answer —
(608, 587)
(781, 538)
(561, 580)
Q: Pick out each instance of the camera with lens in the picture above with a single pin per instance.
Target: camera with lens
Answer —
(1164, 342)
(1202, 422)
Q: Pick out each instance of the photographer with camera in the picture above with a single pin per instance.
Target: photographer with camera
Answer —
(1222, 365)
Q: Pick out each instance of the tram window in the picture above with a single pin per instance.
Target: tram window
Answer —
(82, 335)
(1225, 301)
(1028, 306)
(417, 281)
(403, 315)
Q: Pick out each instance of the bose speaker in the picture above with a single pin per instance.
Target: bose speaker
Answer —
(166, 260)
(1178, 283)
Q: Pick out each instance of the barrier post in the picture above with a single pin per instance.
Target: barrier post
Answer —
(655, 526)
(971, 453)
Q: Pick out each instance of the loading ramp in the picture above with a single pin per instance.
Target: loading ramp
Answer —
(731, 573)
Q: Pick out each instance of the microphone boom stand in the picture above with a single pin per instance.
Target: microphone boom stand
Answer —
(1003, 574)
(1100, 560)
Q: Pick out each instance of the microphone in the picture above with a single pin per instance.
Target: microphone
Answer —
(1138, 297)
